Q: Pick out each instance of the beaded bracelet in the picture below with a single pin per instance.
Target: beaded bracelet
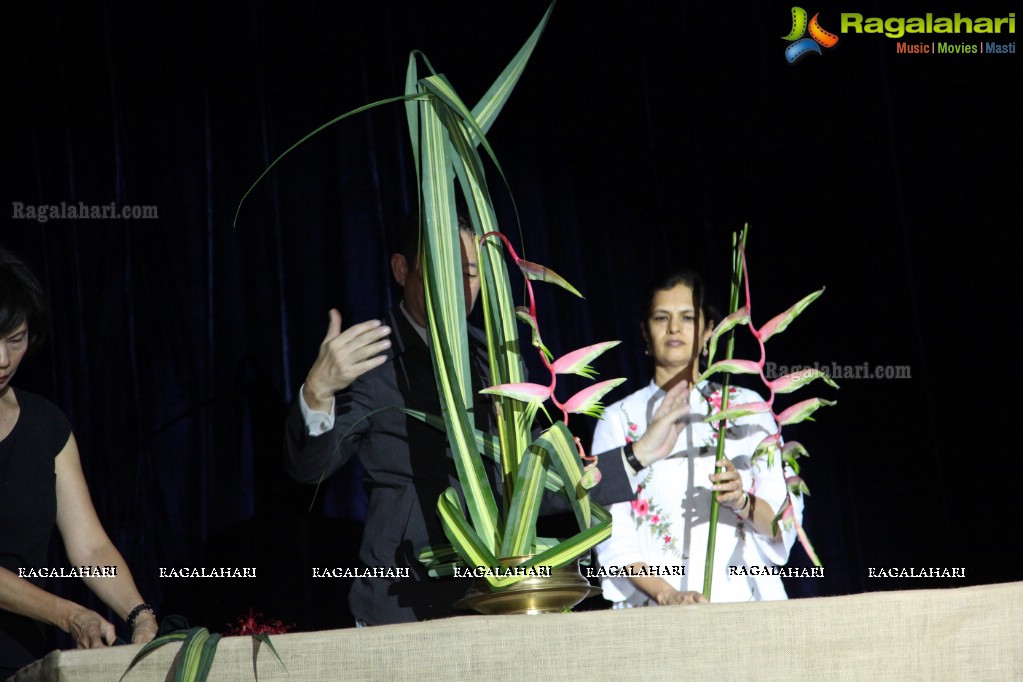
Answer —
(137, 611)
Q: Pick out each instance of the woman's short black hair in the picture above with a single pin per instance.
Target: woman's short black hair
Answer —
(22, 300)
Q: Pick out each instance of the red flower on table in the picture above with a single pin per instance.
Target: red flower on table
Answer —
(641, 507)
(667, 539)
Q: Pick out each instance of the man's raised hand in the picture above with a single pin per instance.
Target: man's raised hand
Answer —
(343, 358)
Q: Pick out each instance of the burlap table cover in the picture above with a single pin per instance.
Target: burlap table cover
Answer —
(972, 633)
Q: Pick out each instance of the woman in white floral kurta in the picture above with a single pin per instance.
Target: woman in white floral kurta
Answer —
(661, 536)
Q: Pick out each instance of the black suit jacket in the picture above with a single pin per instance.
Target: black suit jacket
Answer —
(407, 467)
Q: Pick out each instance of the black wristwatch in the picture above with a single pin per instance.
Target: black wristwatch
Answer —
(631, 458)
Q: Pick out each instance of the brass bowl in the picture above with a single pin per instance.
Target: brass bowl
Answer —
(559, 591)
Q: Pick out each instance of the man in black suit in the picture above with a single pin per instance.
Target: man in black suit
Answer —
(345, 410)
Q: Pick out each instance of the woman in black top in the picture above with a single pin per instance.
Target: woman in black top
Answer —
(42, 485)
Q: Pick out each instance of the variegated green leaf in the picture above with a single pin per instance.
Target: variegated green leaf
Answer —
(489, 106)
(520, 529)
(152, 646)
(560, 446)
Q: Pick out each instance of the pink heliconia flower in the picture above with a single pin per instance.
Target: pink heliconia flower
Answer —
(526, 392)
(740, 410)
(578, 361)
(587, 401)
(790, 382)
(802, 410)
(732, 367)
(779, 323)
(796, 485)
(541, 273)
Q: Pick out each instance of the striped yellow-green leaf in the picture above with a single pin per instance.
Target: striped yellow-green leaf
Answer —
(561, 448)
(152, 646)
(525, 505)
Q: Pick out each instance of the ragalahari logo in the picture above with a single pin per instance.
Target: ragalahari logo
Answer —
(802, 46)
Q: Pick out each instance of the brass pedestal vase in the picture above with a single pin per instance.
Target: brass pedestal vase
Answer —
(553, 591)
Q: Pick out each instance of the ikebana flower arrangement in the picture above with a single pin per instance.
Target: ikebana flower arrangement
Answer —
(445, 136)
(526, 470)
(772, 445)
(446, 139)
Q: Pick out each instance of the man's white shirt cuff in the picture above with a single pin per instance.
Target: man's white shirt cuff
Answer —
(316, 423)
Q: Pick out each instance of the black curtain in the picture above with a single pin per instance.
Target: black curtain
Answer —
(641, 135)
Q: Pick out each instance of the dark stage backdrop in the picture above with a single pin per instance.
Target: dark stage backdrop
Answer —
(641, 135)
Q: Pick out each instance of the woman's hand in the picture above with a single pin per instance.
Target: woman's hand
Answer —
(145, 628)
(89, 629)
(728, 486)
(672, 596)
(667, 423)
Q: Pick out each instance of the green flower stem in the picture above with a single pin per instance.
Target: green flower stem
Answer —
(738, 244)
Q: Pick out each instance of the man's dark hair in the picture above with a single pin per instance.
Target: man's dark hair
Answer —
(22, 300)
(408, 240)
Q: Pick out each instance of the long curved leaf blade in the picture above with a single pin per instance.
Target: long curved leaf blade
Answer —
(490, 105)
(558, 443)
(567, 551)
(265, 639)
(465, 540)
(152, 646)
(488, 445)
(520, 530)
(304, 138)
(188, 669)
(206, 654)
(598, 530)
(442, 274)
